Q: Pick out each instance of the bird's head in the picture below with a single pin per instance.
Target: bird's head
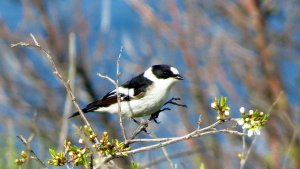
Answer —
(163, 75)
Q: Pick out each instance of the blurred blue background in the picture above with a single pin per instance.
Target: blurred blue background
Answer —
(246, 50)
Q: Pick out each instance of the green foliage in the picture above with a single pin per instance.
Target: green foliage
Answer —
(111, 148)
(254, 118)
(220, 106)
(8, 147)
(58, 159)
(78, 155)
(253, 121)
(89, 133)
(202, 166)
(135, 165)
(23, 159)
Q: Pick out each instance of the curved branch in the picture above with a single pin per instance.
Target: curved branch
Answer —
(167, 141)
(66, 84)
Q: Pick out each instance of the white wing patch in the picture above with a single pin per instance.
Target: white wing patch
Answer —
(126, 91)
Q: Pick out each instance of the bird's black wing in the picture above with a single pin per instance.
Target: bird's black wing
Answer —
(139, 84)
(109, 99)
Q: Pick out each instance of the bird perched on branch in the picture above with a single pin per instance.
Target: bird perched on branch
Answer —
(143, 95)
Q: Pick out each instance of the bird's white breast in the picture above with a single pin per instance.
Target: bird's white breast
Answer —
(153, 100)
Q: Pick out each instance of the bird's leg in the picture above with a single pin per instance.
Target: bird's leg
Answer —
(142, 126)
(155, 115)
(171, 101)
(136, 121)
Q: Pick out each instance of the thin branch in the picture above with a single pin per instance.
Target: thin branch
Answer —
(199, 122)
(194, 136)
(56, 72)
(68, 103)
(166, 154)
(118, 96)
(172, 156)
(116, 83)
(27, 145)
(167, 141)
(246, 156)
(290, 147)
(91, 163)
(275, 102)
(34, 40)
(142, 127)
(106, 77)
(243, 161)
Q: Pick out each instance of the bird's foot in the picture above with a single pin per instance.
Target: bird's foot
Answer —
(155, 115)
(171, 101)
(136, 121)
(142, 126)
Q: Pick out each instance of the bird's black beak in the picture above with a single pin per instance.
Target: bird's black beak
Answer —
(178, 77)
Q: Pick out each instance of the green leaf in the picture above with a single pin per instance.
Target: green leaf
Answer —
(135, 166)
(202, 166)
(52, 152)
(73, 148)
(223, 101)
(124, 154)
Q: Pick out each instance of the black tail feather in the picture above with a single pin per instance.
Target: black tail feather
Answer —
(77, 113)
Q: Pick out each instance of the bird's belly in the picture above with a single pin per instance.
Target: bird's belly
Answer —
(147, 105)
(144, 106)
(137, 108)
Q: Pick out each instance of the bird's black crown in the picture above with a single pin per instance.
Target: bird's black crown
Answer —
(163, 71)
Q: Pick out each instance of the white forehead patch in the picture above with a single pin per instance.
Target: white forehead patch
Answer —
(174, 70)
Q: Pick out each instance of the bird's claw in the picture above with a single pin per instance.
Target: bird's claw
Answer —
(145, 130)
(155, 115)
(136, 121)
(171, 101)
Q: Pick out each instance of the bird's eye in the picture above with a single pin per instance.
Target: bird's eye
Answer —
(164, 72)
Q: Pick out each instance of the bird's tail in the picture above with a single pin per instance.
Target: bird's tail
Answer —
(85, 110)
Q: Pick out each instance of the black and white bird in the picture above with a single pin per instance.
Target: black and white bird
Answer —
(143, 95)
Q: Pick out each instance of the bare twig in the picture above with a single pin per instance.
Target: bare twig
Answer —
(166, 154)
(106, 77)
(275, 102)
(91, 163)
(118, 96)
(172, 156)
(167, 141)
(290, 147)
(56, 72)
(68, 103)
(202, 133)
(245, 155)
(141, 127)
(242, 160)
(199, 121)
(28, 147)
(116, 83)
